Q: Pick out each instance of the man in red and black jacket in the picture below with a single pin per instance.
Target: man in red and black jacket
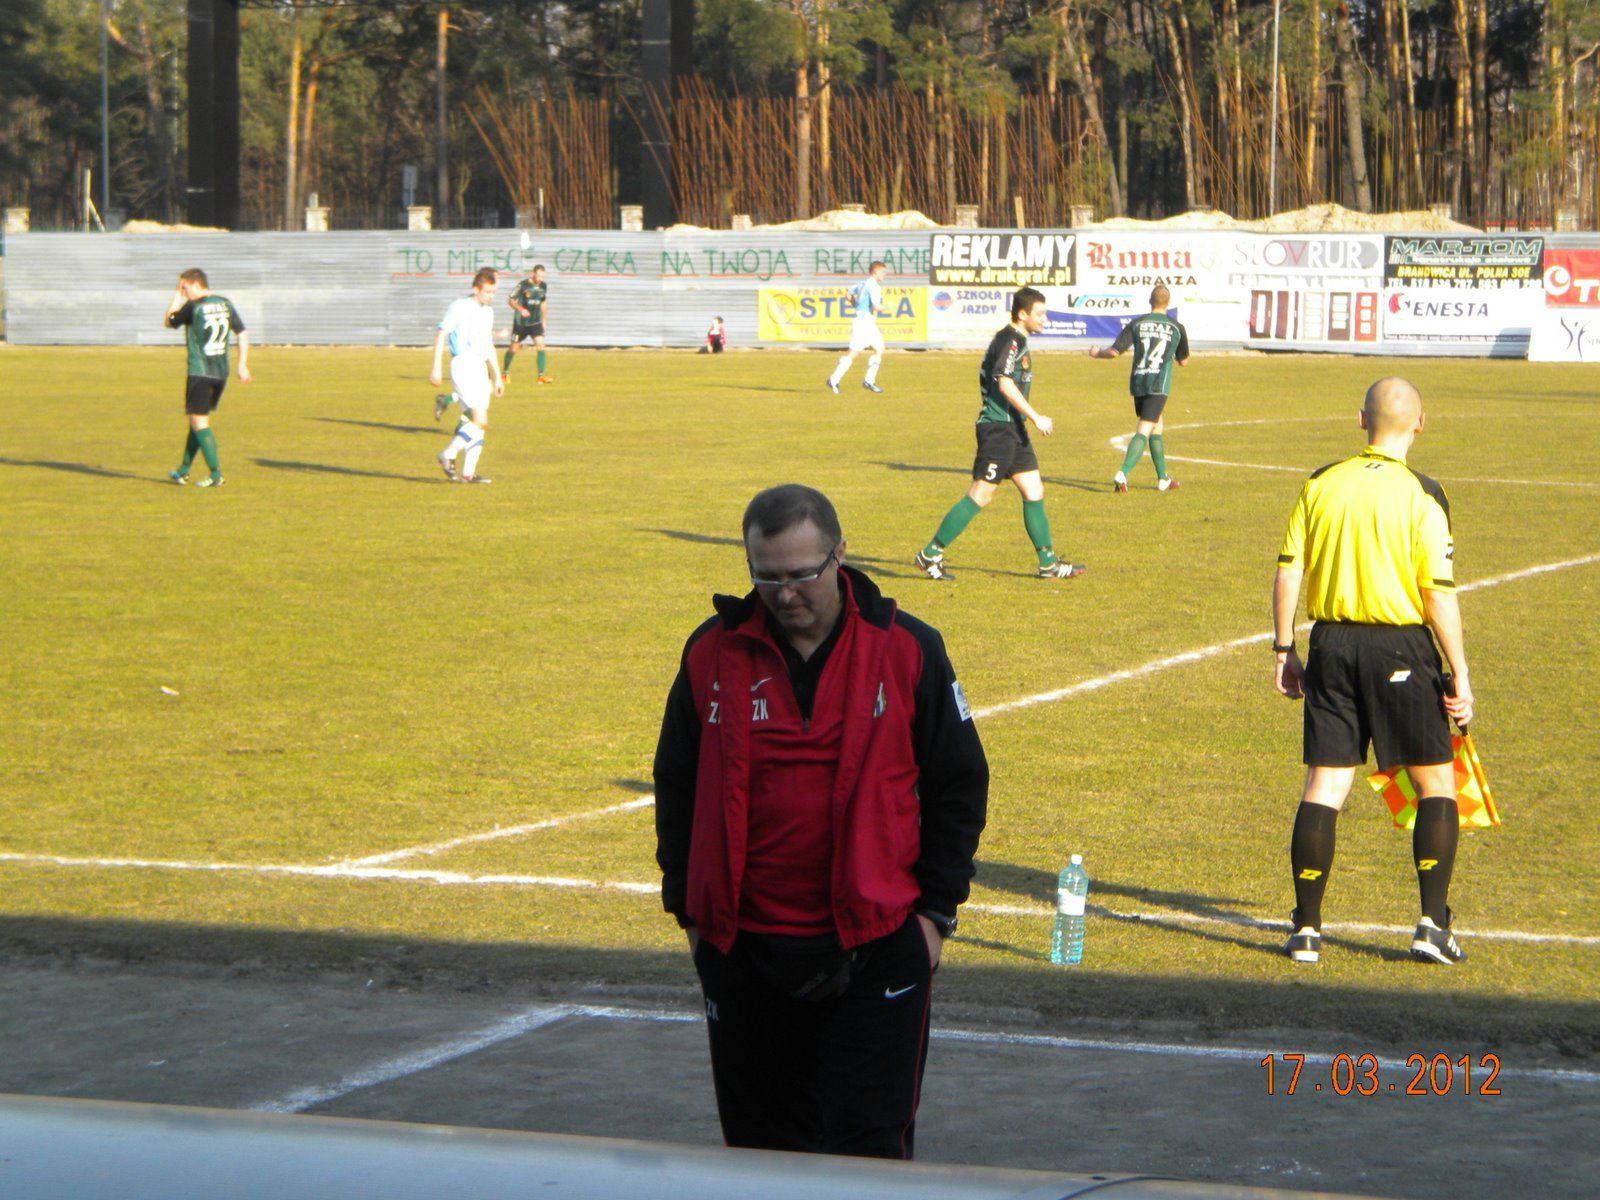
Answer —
(820, 790)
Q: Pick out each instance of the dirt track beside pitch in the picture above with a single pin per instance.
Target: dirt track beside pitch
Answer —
(206, 1037)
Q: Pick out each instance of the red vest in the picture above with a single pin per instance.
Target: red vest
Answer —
(754, 737)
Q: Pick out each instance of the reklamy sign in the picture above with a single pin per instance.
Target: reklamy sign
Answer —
(1002, 259)
(1472, 262)
(1572, 278)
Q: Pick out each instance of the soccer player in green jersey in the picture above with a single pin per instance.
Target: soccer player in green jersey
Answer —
(209, 324)
(1004, 451)
(1157, 341)
(527, 322)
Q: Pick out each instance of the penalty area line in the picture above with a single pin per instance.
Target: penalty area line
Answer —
(544, 1016)
(376, 860)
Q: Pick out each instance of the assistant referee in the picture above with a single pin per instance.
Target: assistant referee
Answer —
(1371, 537)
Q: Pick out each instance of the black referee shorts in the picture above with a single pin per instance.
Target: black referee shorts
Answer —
(1377, 684)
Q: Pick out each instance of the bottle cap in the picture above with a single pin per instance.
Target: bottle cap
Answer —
(1077, 860)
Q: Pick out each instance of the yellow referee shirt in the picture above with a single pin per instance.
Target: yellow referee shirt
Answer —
(1371, 535)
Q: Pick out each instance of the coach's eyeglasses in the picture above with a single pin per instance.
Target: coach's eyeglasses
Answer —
(798, 578)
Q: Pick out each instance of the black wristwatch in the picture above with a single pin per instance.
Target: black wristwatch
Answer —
(1277, 649)
(945, 925)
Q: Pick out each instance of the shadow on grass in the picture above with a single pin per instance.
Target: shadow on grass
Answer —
(875, 566)
(1082, 485)
(1031, 883)
(642, 787)
(385, 425)
(73, 468)
(1046, 1000)
(278, 464)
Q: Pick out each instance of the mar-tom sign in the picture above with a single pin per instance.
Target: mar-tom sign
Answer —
(1002, 260)
(1468, 262)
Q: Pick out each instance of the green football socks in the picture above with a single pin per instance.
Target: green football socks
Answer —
(190, 449)
(540, 360)
(208, 447)
(1038, 527)
(1130, 460)
(1158, 455)
(506, 363)
(957, 519)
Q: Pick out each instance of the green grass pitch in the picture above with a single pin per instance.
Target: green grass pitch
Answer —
(366, 659)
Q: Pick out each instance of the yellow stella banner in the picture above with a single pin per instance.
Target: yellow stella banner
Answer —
(1473, 798)
(825, 314)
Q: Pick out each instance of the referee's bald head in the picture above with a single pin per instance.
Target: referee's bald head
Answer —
(1392, 407)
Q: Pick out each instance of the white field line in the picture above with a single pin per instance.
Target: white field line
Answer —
(457, 878)
(544, 1015)
(375, 860)
(515, 1025)
(462, 879)
(1172, 916)
(1188, 656)
(1120, 442)
(334, 871)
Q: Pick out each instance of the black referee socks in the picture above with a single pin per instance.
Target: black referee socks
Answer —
(1311, 855)
(1433, 848)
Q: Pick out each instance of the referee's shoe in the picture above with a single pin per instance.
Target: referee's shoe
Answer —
(1432, 944)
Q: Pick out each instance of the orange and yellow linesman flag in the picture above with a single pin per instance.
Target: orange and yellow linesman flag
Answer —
(1473, 798)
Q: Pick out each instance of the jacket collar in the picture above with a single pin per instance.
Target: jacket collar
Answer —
(860, 592)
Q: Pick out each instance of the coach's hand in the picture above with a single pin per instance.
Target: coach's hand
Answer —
(1288, 675)
(935, 939)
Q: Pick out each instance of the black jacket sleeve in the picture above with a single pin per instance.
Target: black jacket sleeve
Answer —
(676, 766)
(953, 783)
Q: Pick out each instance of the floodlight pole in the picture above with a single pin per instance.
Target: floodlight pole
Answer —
(1272, 154)
(105, 110)
(441, 152)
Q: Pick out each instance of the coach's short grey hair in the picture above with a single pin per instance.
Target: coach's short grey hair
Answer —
(789, 504)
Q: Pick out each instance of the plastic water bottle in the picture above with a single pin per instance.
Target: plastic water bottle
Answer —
(1066, 940)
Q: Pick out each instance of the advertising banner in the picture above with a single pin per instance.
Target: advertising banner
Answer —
(1495, 319)
(825, 314)
(1566, 335)
(1312, 291)
(1420, 260)
(1193, 266)
(1002, 259)
(970, 316)
(1571, 278)
(966, 316)
(1289, 317)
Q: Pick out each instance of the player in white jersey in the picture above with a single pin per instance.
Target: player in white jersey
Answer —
(468, 329)
(864, 331)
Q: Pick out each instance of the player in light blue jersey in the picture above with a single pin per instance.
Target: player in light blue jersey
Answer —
(468, 329)
(867, 297)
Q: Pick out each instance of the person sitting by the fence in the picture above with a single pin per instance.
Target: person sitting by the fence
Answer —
(716, 337)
